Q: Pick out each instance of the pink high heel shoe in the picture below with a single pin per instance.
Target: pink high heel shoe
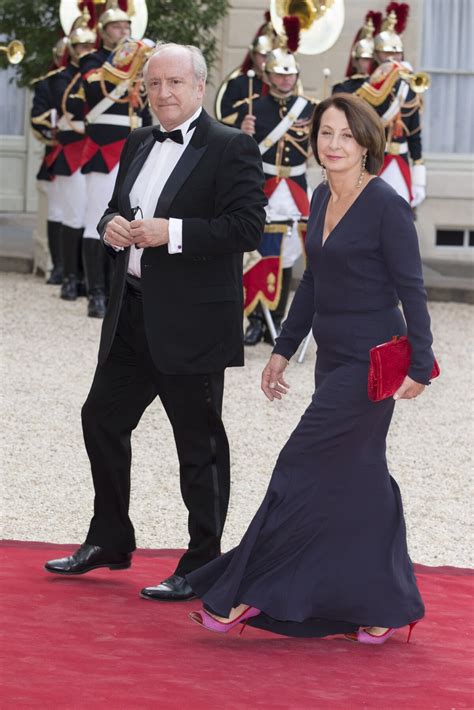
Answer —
(203, 618)
(363, 636)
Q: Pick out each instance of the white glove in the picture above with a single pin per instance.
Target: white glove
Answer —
(418, 184)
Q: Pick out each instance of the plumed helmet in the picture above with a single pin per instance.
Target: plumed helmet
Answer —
(388, 40)
(262, 44)
(81, 33)
(112, 13)
(281, 61)
(59, 50)
(364, 47)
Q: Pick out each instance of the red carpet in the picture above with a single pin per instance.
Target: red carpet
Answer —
(90, 642)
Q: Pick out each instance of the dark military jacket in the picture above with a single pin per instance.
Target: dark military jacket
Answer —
(404, 126)
(350, 85)
(41, 119)
(68, 100)
(104, 141)
(293, 148)
(236, 95)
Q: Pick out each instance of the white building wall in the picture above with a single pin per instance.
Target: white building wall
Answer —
(450, 177)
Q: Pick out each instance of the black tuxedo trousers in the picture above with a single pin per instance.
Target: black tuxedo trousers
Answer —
(122, 389)
(178, 340)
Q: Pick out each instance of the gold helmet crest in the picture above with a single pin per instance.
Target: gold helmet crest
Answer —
(81, 33)
(364, 47)
(388, 40)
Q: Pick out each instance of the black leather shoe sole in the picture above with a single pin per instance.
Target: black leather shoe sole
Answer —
(72, 573)
(168, 599)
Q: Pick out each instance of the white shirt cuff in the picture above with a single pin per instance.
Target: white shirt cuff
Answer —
(112, 245)
(175, 232)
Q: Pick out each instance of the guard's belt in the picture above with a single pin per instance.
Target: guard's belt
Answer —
(284, 171)
(110, 119)
(394, 148)
(65, 125)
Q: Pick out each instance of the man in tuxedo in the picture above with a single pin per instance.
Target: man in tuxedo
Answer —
(174, 320)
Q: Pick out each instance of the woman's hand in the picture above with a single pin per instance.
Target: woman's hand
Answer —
(273, 382)
(409, 389)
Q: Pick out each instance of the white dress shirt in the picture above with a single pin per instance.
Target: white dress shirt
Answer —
(149, 184)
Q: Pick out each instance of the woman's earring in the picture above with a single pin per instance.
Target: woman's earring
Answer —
(324, 174)
(362, 169)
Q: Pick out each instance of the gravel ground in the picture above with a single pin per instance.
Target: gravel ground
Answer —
(48, 358)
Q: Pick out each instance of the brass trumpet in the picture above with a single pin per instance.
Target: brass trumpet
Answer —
(419, 81)
(15, 51)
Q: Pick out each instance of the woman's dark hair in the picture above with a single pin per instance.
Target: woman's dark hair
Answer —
(365, 124)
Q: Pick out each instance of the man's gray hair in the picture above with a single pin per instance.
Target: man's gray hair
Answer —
(197, 58)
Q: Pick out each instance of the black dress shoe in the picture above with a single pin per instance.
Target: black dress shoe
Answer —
(86, 558)
(97, 305)
(56, 276)
(173, 589)
(69, 288)
(254, 331)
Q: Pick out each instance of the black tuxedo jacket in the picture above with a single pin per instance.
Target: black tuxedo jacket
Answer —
(193, 301)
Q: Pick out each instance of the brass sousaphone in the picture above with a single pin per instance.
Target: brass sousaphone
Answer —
(321, 22)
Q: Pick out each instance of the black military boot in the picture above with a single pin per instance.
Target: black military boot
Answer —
(54, 244)
(256, 327)
(71, 239)
(94, 256)
(279, 313)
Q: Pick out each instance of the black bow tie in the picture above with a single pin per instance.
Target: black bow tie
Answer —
(161, 136)
(176, 136)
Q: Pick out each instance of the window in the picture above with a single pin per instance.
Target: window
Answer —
(12, 105)
(454, 238)
(448, 56)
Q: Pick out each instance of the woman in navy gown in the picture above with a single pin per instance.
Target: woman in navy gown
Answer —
(326, 552)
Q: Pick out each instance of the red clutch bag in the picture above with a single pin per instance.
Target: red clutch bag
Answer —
(389, 365)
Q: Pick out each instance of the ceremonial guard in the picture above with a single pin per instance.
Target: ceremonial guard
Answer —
(65, 159)
(361, 60)
(280, 123)
(395, 91)
(234, 91)
(43, 120)
(115, 106)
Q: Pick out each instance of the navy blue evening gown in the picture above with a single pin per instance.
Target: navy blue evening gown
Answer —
(326, 551)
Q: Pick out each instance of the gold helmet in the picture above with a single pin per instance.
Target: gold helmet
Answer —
(81, 33)
(281, 61)
(262, 44)
(388, 40)
(59, 50)
(112, 13)
(265, 39)
(364, 47)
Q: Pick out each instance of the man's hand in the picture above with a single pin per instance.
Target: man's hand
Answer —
(149, 232)
(409, 389)
(248, 125)
(117, 233)
(273, 382)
